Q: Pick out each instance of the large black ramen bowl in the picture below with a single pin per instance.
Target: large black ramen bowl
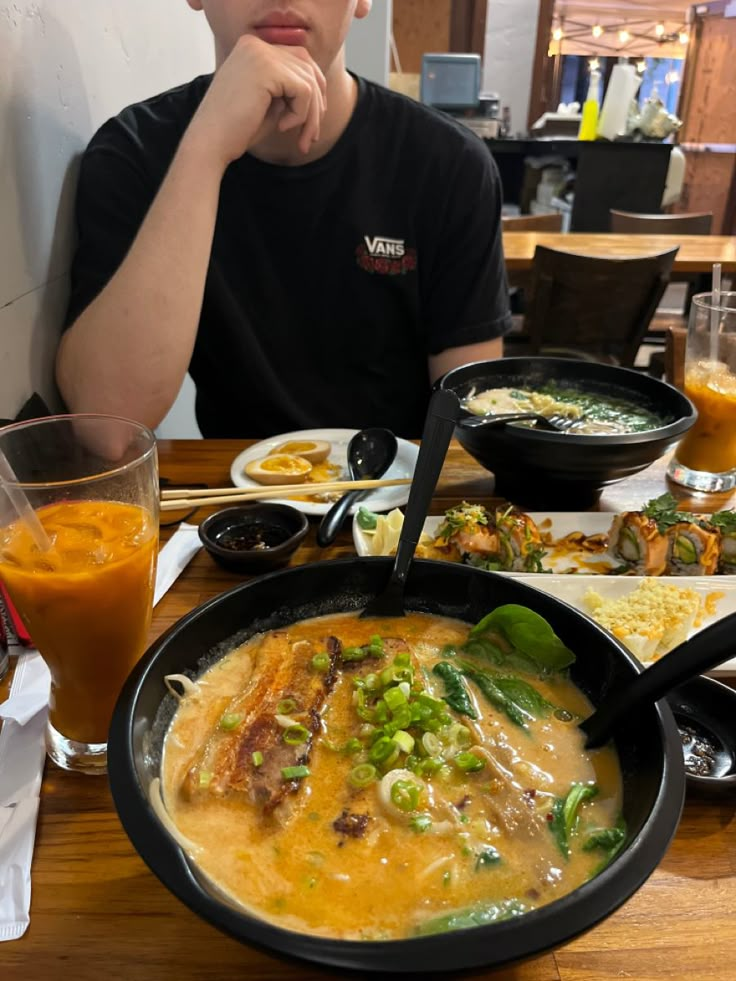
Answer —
(565, 470)
(648, 746)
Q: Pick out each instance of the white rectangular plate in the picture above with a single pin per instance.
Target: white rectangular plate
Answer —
(572, 588)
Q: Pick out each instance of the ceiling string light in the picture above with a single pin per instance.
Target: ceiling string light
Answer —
(624, 36)
(557, 34)
(659, 30)
(684, 37)
(597, 30)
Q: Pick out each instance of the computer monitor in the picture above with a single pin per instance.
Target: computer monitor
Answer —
(450, 81)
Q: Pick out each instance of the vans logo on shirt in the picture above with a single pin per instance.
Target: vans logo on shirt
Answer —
(385, 256)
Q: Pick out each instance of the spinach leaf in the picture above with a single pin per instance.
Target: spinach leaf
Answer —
(525, 696)
(610, 841)
(529, 633)
(565, 814)
(367, 520)
(456, 694)
(495, 695)
(478, 915)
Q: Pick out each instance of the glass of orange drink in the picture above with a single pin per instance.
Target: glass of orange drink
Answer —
(85, 590)
(705, 460)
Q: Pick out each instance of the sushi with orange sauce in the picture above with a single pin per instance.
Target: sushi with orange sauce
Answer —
(693, 548)
(636, 539)
(505, 540)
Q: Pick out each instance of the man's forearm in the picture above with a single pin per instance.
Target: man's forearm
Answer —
(128, 352)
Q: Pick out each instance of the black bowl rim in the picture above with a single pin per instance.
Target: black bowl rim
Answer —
(695, 689)
(670, 431)
(425, 955)
(288, 545)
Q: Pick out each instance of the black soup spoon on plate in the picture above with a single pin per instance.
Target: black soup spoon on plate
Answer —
(370, 453)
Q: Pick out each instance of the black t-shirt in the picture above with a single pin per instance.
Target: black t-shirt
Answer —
(329, 283)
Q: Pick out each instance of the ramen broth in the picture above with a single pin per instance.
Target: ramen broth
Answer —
(465, 823)
(586, 413)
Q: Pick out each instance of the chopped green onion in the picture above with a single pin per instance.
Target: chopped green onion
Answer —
(352, 746)
(404, 740)
(402, 660)
(405, 687)
(446, 878)
(468, 762)
(431, 744)
(372, 682)
(405, 795)
(205, 779)
(460, 735)
(321, 662)
(294, 772)
(394, 697)
(402, 717)
(433, 764)
(295, 735)
(376, 645)
(362, 775)
(230, 720)
(420, 823)
(286, 706)
(257, 758)
(382, 749)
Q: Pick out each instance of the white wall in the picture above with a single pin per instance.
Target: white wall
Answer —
(368, 46)
(511, 38)
(65, 67)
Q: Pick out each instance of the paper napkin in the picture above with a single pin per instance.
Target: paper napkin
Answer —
(22, 753)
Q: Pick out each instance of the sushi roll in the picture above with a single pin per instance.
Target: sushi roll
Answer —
(694, 548)
(726, 522)
(506, 540)
(520, 544)
(637, 540)
(470, 530)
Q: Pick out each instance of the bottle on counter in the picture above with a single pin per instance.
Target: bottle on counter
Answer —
(591, 109)
(505, 129)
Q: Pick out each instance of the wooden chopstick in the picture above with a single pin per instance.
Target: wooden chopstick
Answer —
(176, 500)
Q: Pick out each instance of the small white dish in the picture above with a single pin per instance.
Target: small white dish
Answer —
(384, 499)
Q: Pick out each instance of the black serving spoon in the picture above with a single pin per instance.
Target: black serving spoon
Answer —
(370, 453)
(706, 650)
(444, 407)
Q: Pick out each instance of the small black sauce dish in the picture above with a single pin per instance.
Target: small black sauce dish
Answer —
(253, 538)
(704, 711)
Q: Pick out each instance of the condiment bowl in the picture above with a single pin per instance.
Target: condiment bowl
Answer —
(704, 711)
(567, 470)
(253, 538)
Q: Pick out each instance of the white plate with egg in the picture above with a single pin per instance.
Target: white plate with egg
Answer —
(335, 467)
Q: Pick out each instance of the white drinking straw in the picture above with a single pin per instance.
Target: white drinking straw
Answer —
(21, 504)
(715, 313)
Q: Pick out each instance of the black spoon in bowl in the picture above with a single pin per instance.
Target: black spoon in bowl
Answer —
(370, 453)
(706, 650)
(444, 407)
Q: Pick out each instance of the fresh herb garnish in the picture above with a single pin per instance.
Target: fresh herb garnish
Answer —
(488, 857)
(456, 694)
(663, 511)
(463, 516)
(479, 915)
(565, 814)
(520, 701)
(610, 841)
(528, 633)
(725, 520)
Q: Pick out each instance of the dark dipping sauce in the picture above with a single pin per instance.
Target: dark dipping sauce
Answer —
(701, 754)
(256, 536)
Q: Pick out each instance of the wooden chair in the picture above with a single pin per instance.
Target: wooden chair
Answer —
(591, 308)
(627, 223)
(532, 223)
(674, 356)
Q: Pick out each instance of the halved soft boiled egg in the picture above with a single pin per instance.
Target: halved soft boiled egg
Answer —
(279, 468)
(314, 450)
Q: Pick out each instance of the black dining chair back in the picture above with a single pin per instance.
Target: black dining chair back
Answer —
(592, 308)
(628, 223)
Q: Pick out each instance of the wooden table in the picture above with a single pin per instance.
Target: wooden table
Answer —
(697, 253)
(97, 912)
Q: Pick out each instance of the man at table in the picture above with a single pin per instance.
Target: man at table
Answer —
(313, 248)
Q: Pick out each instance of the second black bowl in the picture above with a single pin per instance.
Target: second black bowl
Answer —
(253, 538)
(567, 471)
